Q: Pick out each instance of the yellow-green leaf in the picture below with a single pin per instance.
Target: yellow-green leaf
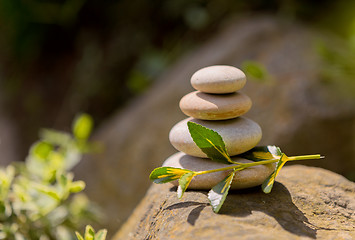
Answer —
(210, 142)
(218, 193)
(77, 186)
(184, 182)
(48, 190)
(167, 174)
(78, 236)
(262, 153)
(82, 126)
(101, 235)
(41, 149)
(89, 233)
(269, 182)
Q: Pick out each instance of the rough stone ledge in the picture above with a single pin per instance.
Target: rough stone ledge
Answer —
(305, 203)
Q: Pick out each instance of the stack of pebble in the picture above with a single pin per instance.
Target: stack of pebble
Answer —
(217, 105)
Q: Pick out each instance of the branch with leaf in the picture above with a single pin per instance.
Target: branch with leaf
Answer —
(90, 234)
(212, 144)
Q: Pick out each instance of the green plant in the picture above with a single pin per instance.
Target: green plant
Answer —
(256, 71)
(337, 72)
(36, 196)
(91, 235)
(212, 144)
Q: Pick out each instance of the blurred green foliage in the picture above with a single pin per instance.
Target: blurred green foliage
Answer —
(36, 196)
(255, 71)
(338, 72)
(90, 234)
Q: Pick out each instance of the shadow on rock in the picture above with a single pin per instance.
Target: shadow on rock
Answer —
(277, 204)
(194, 214)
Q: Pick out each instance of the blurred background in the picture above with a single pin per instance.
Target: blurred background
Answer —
(127, 64)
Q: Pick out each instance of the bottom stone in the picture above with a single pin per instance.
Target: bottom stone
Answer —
(246, 178)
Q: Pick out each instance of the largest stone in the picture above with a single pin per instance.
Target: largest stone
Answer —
(239, 135)
(305, 203)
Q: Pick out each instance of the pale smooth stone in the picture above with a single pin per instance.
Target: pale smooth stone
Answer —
(215, 107)
(249, 177)
(239, 134)
(218, 79)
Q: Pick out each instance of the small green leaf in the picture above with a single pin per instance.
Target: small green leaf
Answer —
(77, 186)
(167, 174)
(184, 182)
(261, 153)
(48, 190)
(269, 182)
(63, 180)
(78, 236)
(210, 142)
(101, 235)
(41, 149)
(255, 71)
(55, 137)
(89, 233)
(64, 184)
(218, 193)
(82, 126)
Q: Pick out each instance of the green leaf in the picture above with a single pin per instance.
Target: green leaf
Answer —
(48, 190)
(78, 236)
(89, 233)
(167, 174)
(55, 137)
(6, 177)
(218, 193)
(63, 180)
(269, 182)
(210, 142)
(41, 149)
(255, 71)
(77, 186)
(64, 183)
(82, 126)
(101, 235)
(261, 153)
(184, 182)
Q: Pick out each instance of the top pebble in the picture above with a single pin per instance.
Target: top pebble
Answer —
(218, 79)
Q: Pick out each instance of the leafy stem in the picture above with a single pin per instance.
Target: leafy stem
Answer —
(212, 144)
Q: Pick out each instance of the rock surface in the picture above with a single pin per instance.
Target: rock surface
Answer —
(247, 178)
(215, 107)
(218, 79)
(296, 111)
(239, 134)
(305, 203)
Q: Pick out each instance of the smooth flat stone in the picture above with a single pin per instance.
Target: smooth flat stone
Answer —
(239, 134)
(215, 107)
(249, 177)
(218, 79)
